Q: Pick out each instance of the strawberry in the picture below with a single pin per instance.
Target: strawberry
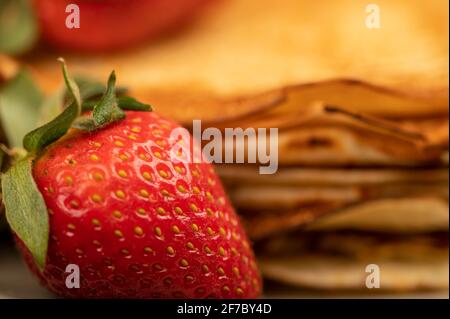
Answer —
(105, 27)
(137, 223)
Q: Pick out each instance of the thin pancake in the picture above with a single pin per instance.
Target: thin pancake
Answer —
(248, 47)
(402, 215)
(339, 260)
(328, 135)
(406, 215)
(288, 176)
(328, 272)
(264, 199)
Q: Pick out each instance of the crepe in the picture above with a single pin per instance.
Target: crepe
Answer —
(288, 198)
(402, 215)
(239, 174)
(323, 135)
(278, 194)
(389, 199)
(405, 215)
(320, 228)
(339, 261)
(339, 92)
(242, 56)
(330, 136)
(326, 272)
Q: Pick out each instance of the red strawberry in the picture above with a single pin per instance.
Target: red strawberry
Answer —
(105, 27)
(136, 223)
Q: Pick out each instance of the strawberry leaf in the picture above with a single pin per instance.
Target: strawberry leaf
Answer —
(89, 105)
(18, 26)
(91, 89)
(26, 211)
(129, 103)
(72, 87)
(20, 101)
(107, 110)
(50, 132)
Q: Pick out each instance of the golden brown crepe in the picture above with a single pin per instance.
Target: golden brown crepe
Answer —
(334, 273)
(253, 63)
(339, 260)
(387, 199)
(338, 273)
(322, 135)
(297, 51)
(239, 174)
(345, 219)
(402, 215)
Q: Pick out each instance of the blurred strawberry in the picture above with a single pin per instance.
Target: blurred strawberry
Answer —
(112, 24)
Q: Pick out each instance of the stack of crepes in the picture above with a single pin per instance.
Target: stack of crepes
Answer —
(363, 129)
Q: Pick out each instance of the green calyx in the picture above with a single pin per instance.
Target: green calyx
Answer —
(53, 130)
(26, 211)
(105, 111)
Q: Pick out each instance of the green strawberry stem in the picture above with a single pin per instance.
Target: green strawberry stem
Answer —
(50, 132)
(107, 110)
(26, 211)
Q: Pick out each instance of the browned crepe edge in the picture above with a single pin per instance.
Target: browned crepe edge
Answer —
(266, 224)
